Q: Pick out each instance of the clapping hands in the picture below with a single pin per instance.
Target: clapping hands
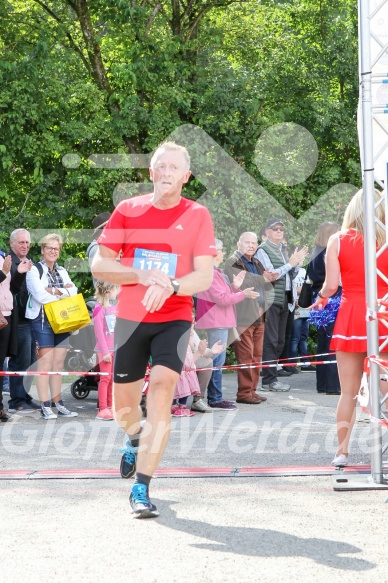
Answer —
(298, 256)
(217, 348)
(238, 279)
(24, 266)
(7, 265)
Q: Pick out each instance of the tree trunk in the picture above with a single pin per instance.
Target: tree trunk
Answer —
(97, 64)
(92, 47)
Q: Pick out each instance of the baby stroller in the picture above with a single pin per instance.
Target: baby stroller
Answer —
(81, 357)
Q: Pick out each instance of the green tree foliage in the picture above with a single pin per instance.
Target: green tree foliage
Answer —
(118, 76)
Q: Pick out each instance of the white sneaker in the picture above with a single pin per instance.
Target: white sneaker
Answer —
(46, 412)
(279, 387)
(62, 411)
(201, 406)
(340, 461)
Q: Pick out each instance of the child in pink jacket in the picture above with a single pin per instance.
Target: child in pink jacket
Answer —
(104, 318)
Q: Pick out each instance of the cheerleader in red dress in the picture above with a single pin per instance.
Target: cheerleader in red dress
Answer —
(345, 263)
(349, 333)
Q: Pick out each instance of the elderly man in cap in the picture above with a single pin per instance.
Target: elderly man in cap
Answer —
(98, 223)
(273, 256)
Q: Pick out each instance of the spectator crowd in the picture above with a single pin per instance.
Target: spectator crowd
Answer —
(252, 305)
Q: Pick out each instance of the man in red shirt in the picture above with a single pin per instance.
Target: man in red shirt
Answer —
(166, 248)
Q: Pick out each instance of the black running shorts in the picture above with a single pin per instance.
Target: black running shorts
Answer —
(135, 342)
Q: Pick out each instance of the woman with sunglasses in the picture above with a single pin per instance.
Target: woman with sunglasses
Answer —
(49, 282)
(273, 256)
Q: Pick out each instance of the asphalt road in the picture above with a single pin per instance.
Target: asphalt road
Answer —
(293, 428)
(290, 528)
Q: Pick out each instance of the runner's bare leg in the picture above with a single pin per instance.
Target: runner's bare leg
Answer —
(126, 405)
(156, 431)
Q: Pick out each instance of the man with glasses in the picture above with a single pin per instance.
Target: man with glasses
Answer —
(272, 254)
(20, 400)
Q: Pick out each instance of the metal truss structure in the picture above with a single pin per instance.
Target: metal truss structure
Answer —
(373, 135)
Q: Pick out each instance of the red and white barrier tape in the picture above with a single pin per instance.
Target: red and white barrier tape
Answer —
(263, 364)
(374, 420)
(257, 365)
(379, 361)
(364, 396)
(378, 315)
(51, 373)
(296, 358)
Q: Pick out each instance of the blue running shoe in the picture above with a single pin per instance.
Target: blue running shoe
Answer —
(128, 461)
(142, 506)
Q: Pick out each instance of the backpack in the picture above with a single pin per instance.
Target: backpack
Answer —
(39, 267)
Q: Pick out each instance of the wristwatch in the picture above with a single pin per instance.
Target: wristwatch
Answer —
(176, 285)
(321, 296)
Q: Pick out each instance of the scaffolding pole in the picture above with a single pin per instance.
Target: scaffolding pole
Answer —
(370, 230)
(373, 137)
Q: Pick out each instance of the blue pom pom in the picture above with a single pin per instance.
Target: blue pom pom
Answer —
(327, 315)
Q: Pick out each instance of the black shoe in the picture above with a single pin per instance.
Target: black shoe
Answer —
(333, 392)
(291, 369)
(283, 373)
(128, 461)
(141, 504)
(3, 416)
(308, 368)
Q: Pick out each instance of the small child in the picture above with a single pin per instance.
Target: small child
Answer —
(104, 317)
(187, 384)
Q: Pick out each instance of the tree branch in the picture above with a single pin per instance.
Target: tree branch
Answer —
(152, 18)
(98, 70)
(25, 202)
(68, 35)
(176, 18)
(188, 9)
(193, 24)
(92, 47)
(193, 13)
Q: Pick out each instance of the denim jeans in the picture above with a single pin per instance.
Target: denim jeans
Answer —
(5, 379)
(298, 340)
(19, 386)
(4, 341)
(214, 388)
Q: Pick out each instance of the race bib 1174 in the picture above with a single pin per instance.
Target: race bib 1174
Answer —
(148, 259)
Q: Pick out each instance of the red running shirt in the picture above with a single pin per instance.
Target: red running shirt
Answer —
(186, 230)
